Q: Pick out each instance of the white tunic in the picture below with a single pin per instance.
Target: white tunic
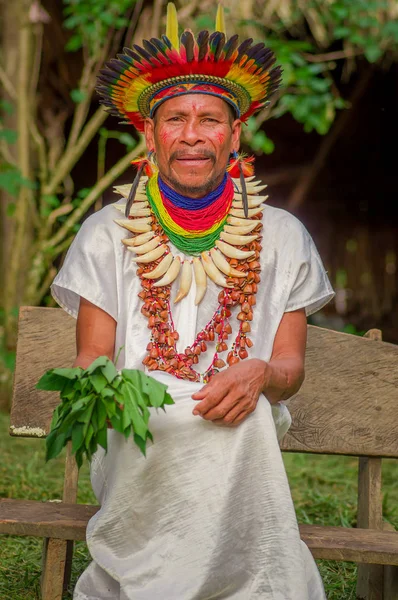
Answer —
(208, 513)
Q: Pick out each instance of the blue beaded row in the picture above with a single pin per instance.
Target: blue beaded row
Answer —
(188, 203)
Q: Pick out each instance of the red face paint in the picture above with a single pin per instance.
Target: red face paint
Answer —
(164, 136)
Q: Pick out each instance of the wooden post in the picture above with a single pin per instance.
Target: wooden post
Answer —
(390, 574)
(370, 514)
(58, 554)
(54, 557)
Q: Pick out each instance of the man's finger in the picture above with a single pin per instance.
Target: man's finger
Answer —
(221, 409)
(212, 399)
(234, 413)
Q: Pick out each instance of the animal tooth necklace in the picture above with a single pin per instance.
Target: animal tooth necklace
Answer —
(230, 258)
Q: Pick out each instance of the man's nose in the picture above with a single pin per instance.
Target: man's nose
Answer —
(191, 134)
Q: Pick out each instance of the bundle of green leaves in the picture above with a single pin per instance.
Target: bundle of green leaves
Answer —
(95, 398)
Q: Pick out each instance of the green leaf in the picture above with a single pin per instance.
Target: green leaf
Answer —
(101, 414)
(78, 96)
(127, 140)
(89, 435)
(11, 208)
(74, 373)
(98, 381)
(77, 437)
(109, 371)
(168, 399)
(6, 107)
(55, 441)
(51, 381)
(101, 361)
(102, 438)
(8, 135)
(373, 53)
(140, 443)
(117, 423)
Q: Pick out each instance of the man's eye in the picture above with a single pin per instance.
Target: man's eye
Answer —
(175, 119)
(210, 120)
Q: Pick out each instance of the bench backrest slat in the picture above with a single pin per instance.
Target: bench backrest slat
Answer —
(347, 405)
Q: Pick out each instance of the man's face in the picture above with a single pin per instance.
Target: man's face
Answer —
(193, 137)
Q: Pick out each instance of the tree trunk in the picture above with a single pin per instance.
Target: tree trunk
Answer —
(18, 50)
(9, 50)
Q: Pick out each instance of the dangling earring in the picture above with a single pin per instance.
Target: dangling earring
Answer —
(142, 163)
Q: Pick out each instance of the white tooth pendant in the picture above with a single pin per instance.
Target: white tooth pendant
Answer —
(252, 212)
(124, 190)
(233, 252)
(137, 240)
(161, 268)
(237, 240)
(200, 279)
(139, 209)
(239, 222)
(213, 272)
(136, 225)
(171, 273)
(240, 230)
(152, 255)
(252, 201)
(224, 266)
(147, 247)
(185, 281)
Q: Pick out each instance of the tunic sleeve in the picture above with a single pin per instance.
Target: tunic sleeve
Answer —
(90, 268)
(311, 287)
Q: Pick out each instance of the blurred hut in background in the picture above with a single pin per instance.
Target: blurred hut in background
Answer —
(326, 146)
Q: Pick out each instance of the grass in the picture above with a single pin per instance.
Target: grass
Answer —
(324, 492)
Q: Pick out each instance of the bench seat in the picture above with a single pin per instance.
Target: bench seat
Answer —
(45, 519)
(69, 522)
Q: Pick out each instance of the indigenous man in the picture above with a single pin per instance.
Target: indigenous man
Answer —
(209, 289)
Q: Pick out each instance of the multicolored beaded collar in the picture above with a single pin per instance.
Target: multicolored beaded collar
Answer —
(232, 262)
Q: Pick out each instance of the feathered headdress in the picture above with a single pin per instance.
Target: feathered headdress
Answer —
(139, 80)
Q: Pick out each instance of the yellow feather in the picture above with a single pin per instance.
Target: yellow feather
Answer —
(172, 25)
(220, 20)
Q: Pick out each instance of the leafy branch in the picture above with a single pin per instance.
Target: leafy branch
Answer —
(96, 398)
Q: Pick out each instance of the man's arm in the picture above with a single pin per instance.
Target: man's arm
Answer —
(95, 334)
(233, 394)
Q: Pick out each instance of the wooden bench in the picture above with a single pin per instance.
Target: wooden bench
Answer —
(348, 406)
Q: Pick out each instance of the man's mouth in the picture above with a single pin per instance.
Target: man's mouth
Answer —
(192, 160)
(199, 159)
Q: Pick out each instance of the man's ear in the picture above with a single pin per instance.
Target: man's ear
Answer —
(149, 133)
(236, 133)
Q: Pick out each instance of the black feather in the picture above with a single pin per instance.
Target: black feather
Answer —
(203, 44)
(217, 39)
(150, 48)
(254, 49)
(167, 42)
(133, 54)
(108, 78)
(243, 48)
(117, 65)
(160, 45)
(187, 40)
(142, 52)
(133, 190)
(127, 60)
(231, 46)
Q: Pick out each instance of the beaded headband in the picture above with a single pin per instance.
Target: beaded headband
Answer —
(139, 80)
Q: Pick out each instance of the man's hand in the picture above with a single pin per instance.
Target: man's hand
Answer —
(232, 394)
